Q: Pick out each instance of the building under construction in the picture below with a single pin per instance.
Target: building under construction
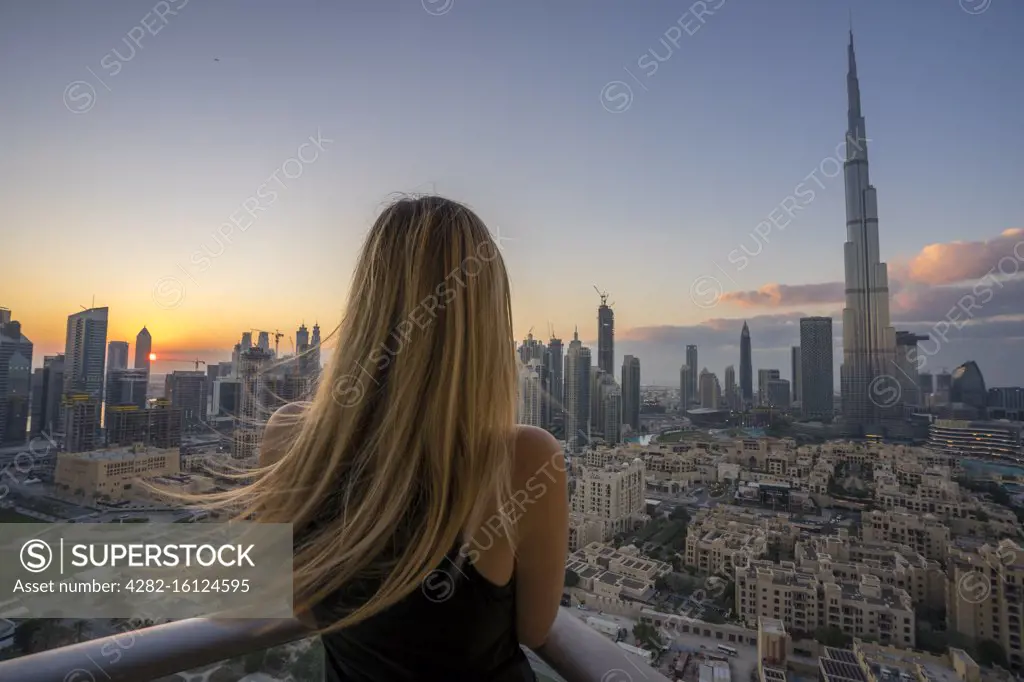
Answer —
(253, 410)
(81, 419)
(159, 426)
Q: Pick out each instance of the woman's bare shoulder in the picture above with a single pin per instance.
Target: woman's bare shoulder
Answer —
(535, 450)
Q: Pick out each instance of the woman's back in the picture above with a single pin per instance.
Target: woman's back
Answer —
(457, 626)
(431, 532)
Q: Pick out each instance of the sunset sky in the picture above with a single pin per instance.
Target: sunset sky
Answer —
(122, 160)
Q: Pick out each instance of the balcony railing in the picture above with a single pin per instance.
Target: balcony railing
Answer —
(573, 650)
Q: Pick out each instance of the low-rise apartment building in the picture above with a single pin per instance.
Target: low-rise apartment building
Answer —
(923, 533)
(806, 600)
(986, 590)
(894, 565)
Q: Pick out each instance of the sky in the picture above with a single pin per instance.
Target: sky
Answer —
(207, 168)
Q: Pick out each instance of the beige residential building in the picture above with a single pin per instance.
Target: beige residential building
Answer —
(923, 533)
(113, 472)
(894, 565)
(805, 601)
(612, 495)
(986, 586)
(616, 575)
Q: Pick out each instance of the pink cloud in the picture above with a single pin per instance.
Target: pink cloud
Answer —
(959, 261)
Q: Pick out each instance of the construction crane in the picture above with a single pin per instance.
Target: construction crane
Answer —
(195, 361)
(277, 334)
(602, 294)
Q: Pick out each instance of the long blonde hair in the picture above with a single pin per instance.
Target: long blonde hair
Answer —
(408, 440)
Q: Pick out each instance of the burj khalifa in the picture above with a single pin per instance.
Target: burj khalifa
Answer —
(869, 341)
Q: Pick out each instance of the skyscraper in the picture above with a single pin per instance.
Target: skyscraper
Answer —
(906, 366)
(555, 362)
(794, 365)
(606, 337)
(85, 352)
(691, 362)
(710, 389)
(117, 355)
(53, 388)
(763, 377)
(314, 345)
(252, 411)
(869, 341)
(530, 394)
(187, 392)
(746, 368)
(611, 411)
(577, 394)
(143, 348)
(686, 390)
(631, 392)
(816, 367)
(731, 390)
(15, 381)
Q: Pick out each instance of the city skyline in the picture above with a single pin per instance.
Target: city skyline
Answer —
(745, 169)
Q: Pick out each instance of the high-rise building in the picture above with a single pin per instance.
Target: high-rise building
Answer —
(158, 426)
(301, 338)
(606, 337)
(577, 394)
(967, 387)
(732, 396)
(906, 368)
(710, 389)
(530, 394)
(687, 394)
(246, 341)
(631, 392)
(187, 392)
(611, 411)
(794, 365)
(117, 358)
(314, 345)
(15, 381)
(597, 376)
(117, 355)
(943, 384)
(763, 377)
(127, 387)
(50, 403)
(555, 364)
(85, 352)
(869, 340)
(263, 343)
(36, 411)
(691, 362)
(746, 368)
(817, 374)
(80, 413)
(253, 411)
(143, 349)
(777, 393)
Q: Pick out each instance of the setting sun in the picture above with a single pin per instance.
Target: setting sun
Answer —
(152, 357)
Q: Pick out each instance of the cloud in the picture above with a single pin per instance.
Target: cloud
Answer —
(972, 266)
(959, 261)
(785, 295)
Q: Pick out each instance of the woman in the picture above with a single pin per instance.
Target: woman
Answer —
(431, 532)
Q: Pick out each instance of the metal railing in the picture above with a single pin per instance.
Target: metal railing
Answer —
(575, 651)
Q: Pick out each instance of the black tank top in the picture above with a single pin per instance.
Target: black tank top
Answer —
(457, 627)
